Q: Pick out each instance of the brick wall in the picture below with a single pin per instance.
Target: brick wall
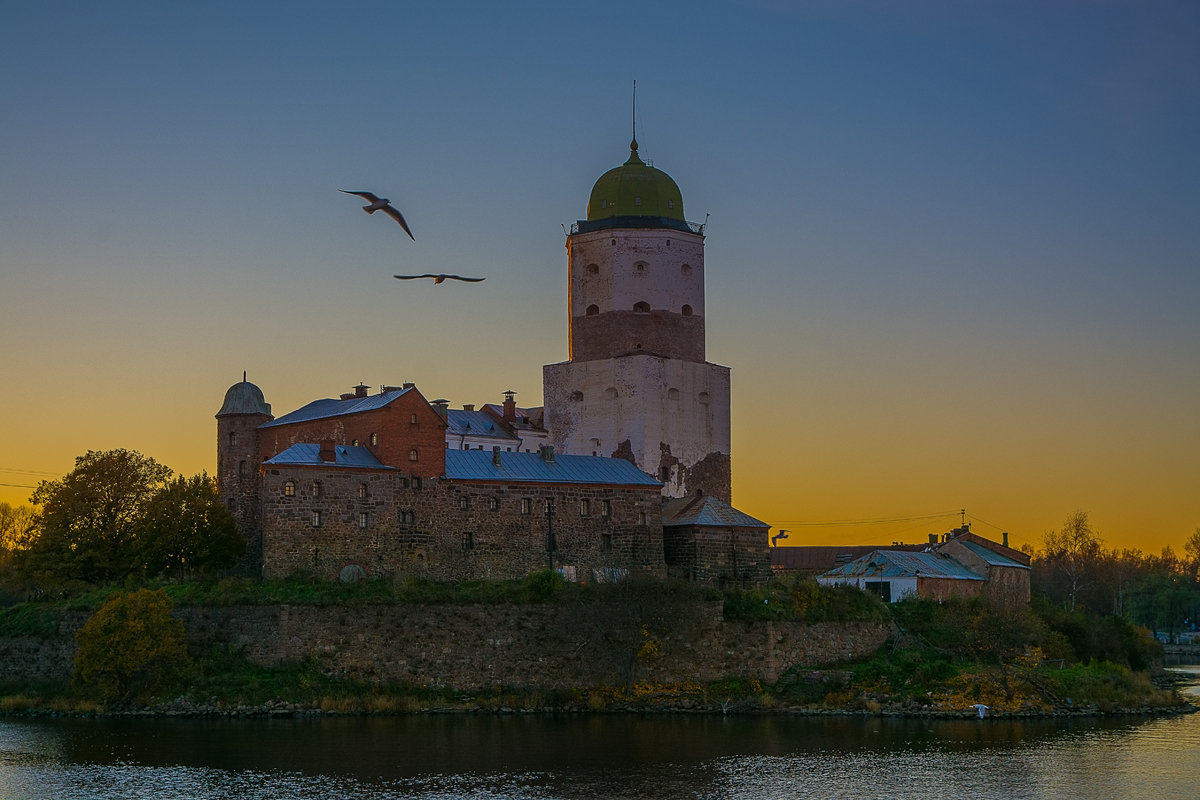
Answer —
(453, 530)
(717, 556)
(664, 332)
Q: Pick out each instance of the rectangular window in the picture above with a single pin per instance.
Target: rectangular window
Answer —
(406, 518)
(493, 503)
(316, 519)
(362, 520)
(468, 542)
(412, 454)
(641, 518)
(585, 507)
(416, 482)
(606, 509)
(606, 542)
(464, 502)
(526, 505)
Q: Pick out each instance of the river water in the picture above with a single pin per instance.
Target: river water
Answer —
(599, 756)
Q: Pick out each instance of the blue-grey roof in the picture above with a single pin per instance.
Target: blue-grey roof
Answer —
(901, 564)
(476, 465)
(706, 510)
(244, 398)
(477, 423)
(330, 407)
(992, 558)
(309, 454)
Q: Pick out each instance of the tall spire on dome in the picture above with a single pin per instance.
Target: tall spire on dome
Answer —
(633, 146)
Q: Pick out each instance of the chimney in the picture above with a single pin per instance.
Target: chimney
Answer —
(496, 455)
(1004, 535)
(326, 451)
(468, 406)
(409, 384)
(933, 538)
(361, 390)
(510, 406)
(548, 453)
(441, 406)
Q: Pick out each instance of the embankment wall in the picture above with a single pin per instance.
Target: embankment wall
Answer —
(468, 647)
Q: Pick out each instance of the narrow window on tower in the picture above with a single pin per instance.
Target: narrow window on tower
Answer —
(526, 505)
(641, 307)
(593, 310)
(585, 507)
(687, 310)
(374, 439)
(362, 490)
(362, 520)
(316, 519)
(413, 455)
(241, 469)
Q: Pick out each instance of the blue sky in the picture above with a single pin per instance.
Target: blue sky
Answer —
(951, 259)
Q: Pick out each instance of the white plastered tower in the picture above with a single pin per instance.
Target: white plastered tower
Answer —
(637, 384)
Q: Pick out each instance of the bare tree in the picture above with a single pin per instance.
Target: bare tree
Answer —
(1074, 550)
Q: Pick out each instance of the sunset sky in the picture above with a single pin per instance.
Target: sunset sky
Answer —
(953, 257)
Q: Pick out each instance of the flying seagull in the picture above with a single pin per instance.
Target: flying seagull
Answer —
(439, 278)
(384, 205)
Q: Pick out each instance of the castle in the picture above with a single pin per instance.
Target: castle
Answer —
(624, 471)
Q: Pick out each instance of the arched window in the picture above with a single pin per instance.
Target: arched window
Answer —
(640, 267)
(672, 394)
(687, 310)
(375, 436)
(316, 489)
(610, 393)
(412, 454)
(593, 269)
(241, 469)
(641, 307)
(593, 310)
(289, 489)
(703, 398)
(576, 397)
(362, 490)
(686, 269)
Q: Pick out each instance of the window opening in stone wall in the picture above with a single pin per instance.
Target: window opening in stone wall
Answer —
(526, 505)
(412, 454)
(468, 541)
(641, 518)
(593, 310)
(686, 310)
(576, 397)
(354, 442)
(464, 502)
(593, 269)
(416, 481)
(686, 269)
(289, 489)
(231, 433)
(316, 489)
(664, 473)
(316, 519)
(641, 307)
(703, 398)
(362, 490)
(412, 420)
(404, 483)
(374, 439)
(493, 503)
(406, 517)
(606, 542)
(640, 266)
(672, 394)
(585, 507)
(362, 520)
(241, 469)
(610, 393)
(606, 509)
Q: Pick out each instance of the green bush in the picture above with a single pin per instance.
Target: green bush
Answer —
(130, 647)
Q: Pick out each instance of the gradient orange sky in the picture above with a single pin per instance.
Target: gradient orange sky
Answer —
(953, 257)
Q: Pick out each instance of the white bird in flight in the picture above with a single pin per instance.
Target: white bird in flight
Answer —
(439, 278)
(382, 204)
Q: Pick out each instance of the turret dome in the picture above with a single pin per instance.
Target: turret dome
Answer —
(244, 398)
(636, 189)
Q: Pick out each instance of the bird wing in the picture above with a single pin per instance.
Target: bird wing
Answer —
(364, 195)
(392, 212)
(461, 278)
(414, 277)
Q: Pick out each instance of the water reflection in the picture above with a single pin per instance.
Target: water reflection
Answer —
(598, 757)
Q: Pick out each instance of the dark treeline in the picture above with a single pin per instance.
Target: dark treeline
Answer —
(117, 516)
(1074, 573)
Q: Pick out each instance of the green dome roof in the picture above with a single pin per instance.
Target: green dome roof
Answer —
(635, 189)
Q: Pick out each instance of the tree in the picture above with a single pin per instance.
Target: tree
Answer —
(1191, 550)
(187, 529)
(90, 516)
(1073, 550)
(131, 646)
(17, 525)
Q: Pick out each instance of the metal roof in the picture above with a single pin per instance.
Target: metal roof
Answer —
(477, 423)
(991, 557)
(900, 564)
(706, 510)
(309, 454)
(476, 465)
(331, 407)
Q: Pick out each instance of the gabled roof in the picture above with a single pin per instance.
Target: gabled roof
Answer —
(477, 423)
(309, 455)
(900, 564)
(331, 407)
(477, 465)
(706, 510)
(991, 557)
(526, 417)
(819, 558)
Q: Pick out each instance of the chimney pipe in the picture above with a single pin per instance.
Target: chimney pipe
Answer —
(548, 453)
(496, 455)
(510, 406)
(468, 406)
(933, 538)
(326, 451)
(1005, 537)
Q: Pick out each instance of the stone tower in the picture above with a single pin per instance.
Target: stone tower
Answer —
(238, 482)
(637, 385)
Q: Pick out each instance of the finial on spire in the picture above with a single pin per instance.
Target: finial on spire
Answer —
(633, 144)
(243, 376)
